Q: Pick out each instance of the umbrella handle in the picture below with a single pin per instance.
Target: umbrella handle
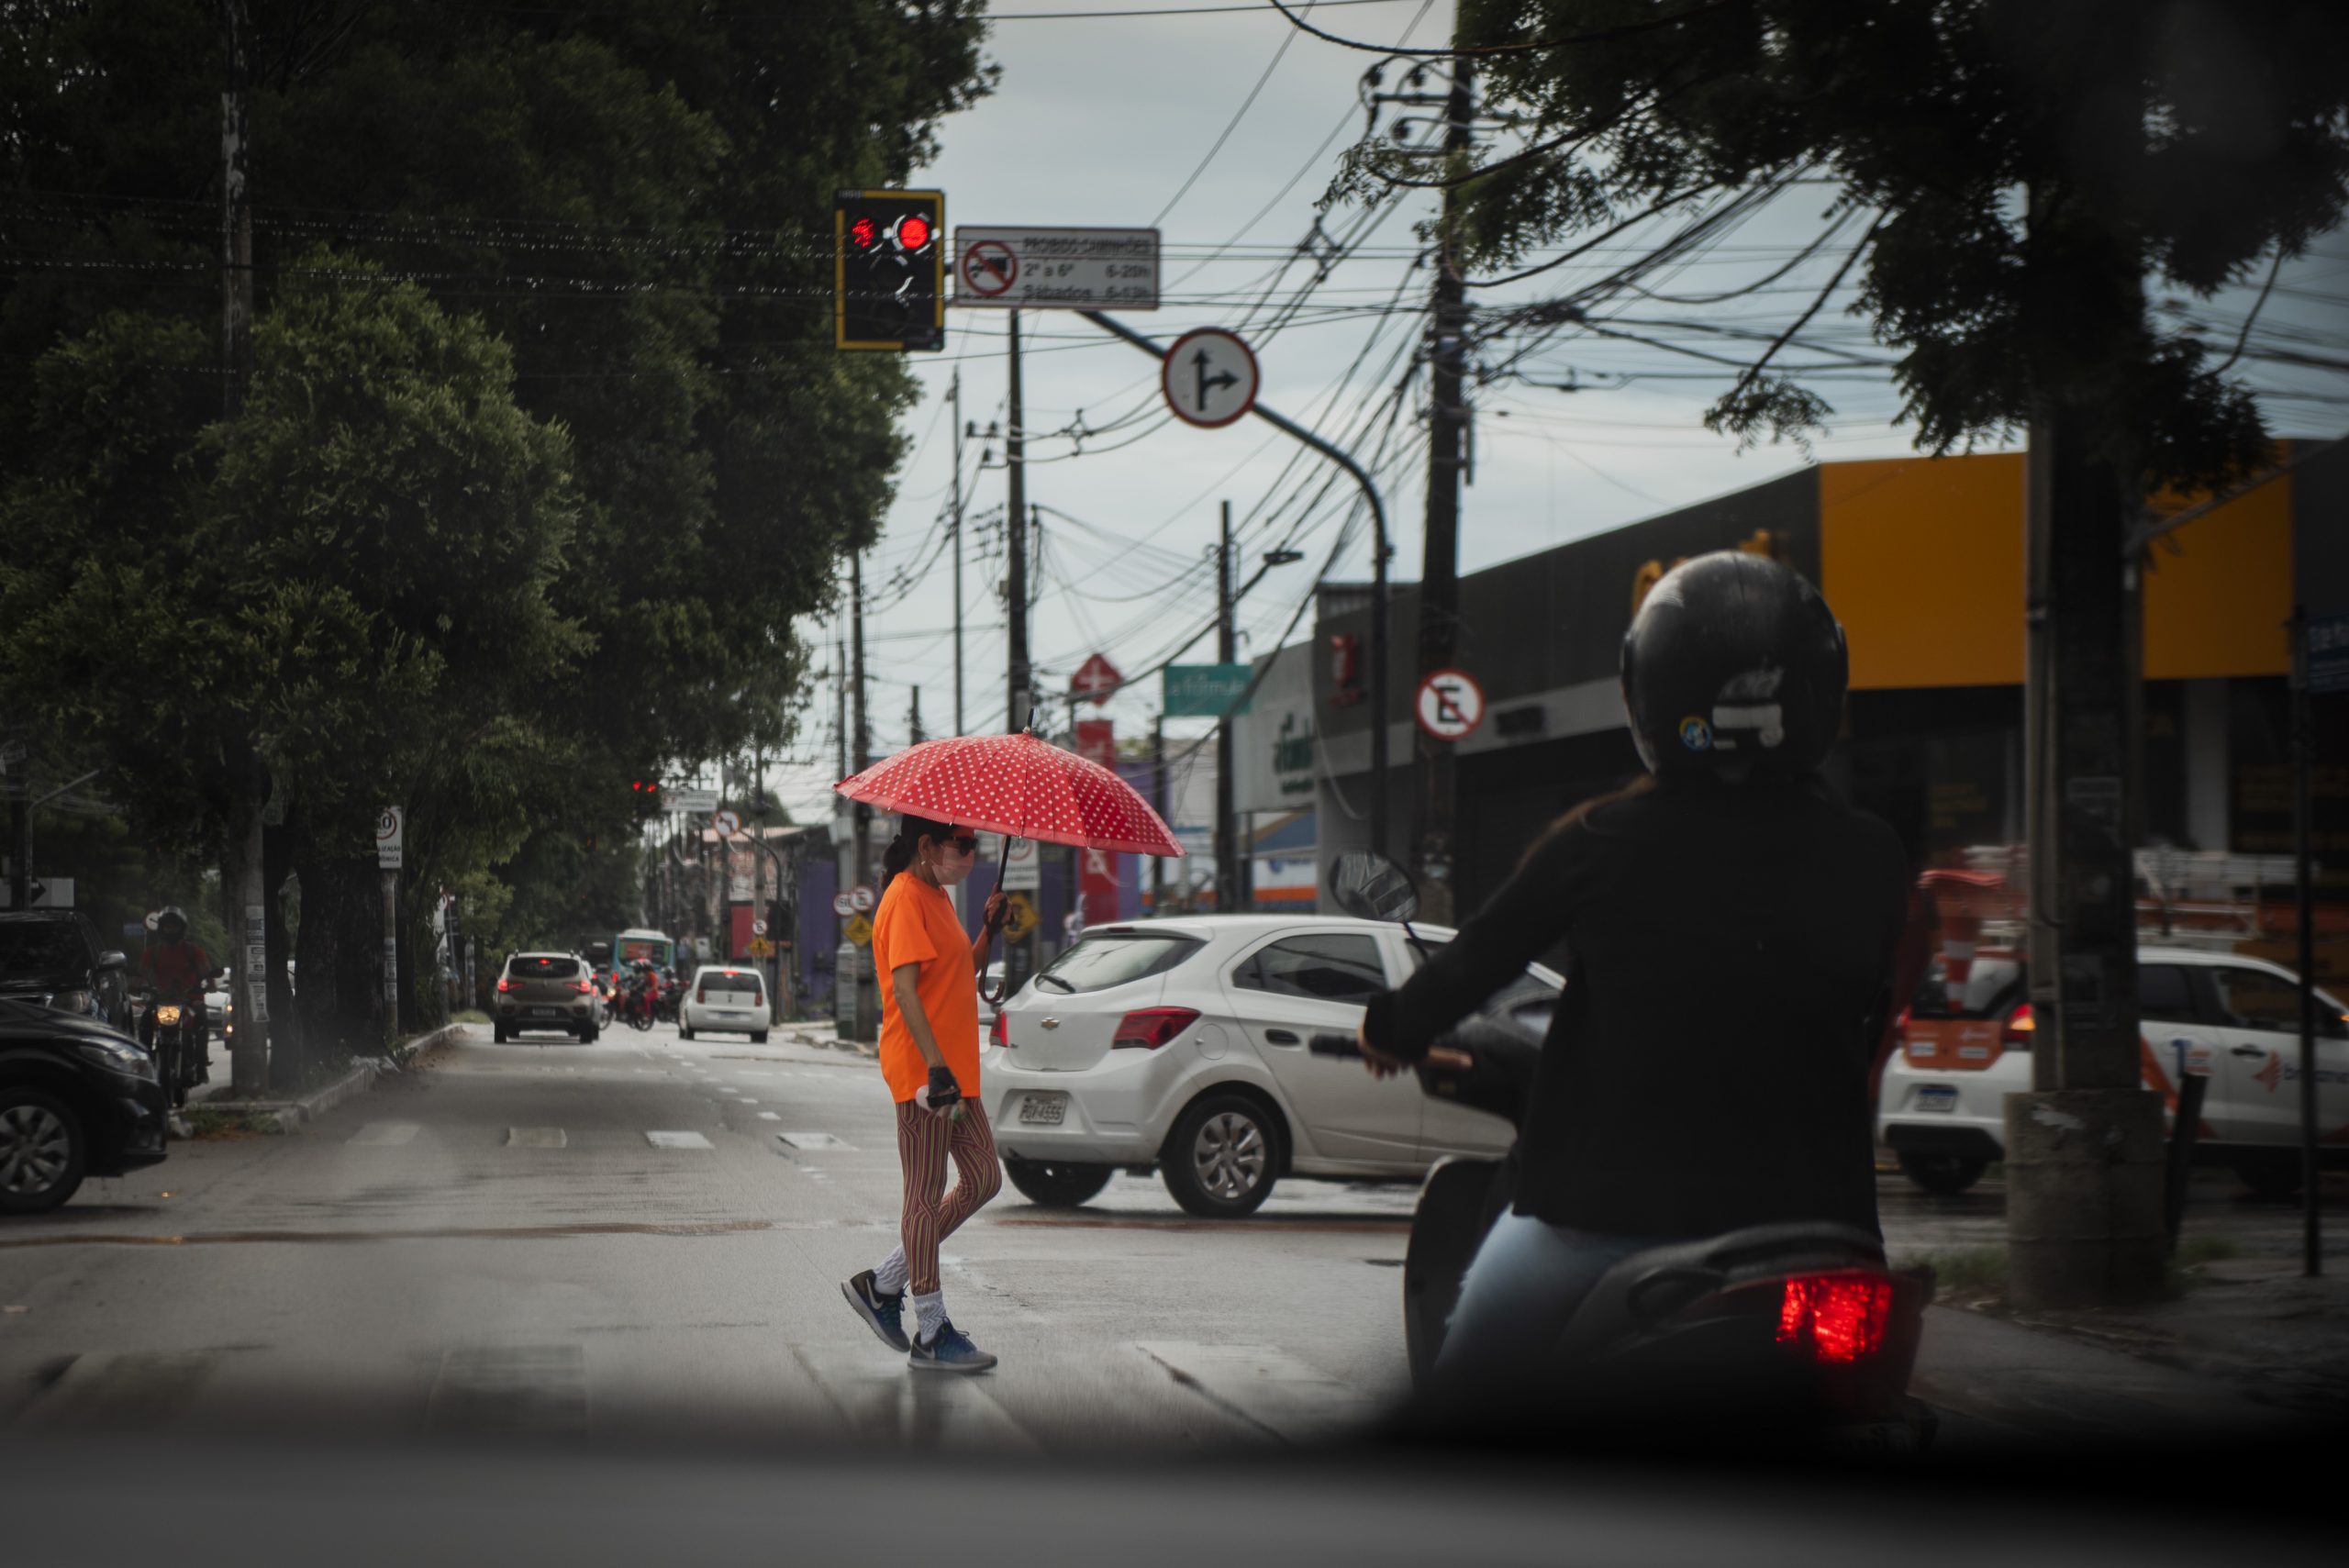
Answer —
(994, 928)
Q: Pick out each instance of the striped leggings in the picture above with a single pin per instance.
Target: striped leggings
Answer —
(924, 1142)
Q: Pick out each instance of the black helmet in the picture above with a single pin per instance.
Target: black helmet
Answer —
(1735, 667)
(171, 916)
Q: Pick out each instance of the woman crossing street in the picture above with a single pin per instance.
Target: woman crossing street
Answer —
(929, 1055)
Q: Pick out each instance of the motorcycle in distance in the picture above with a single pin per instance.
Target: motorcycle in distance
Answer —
(1768, 1331)
(635, 1005)
(177, 1037)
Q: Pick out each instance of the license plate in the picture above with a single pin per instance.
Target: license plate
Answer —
(1047, 1109)
(1937, 1097)
(546, 1012)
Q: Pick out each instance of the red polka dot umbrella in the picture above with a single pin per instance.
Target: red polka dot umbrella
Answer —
(1018, 786)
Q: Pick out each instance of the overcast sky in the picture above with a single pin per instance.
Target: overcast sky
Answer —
(1104, 121)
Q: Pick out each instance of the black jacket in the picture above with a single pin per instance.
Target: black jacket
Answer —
(1729, 957)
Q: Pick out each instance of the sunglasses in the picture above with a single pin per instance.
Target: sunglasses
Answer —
(965, 844)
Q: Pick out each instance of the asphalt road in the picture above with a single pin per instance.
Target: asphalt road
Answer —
(645, 1237)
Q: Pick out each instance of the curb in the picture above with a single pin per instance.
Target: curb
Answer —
(291, 1114)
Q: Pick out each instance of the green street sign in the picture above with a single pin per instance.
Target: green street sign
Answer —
(1203, 691)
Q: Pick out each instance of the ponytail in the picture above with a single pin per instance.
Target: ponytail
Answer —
(899, 855)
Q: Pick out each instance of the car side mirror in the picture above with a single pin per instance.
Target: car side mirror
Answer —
(113, 961)
(1373, 887)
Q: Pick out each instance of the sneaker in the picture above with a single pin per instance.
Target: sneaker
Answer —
(950, 1349)
(885, 1314)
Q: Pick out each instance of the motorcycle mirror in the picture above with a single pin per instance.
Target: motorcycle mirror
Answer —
(1369, 885)
(111, 959)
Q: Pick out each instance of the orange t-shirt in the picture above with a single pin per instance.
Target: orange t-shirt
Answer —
(916, 924)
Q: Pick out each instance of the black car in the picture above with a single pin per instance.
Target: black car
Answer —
(76, 1099)
(52, 957)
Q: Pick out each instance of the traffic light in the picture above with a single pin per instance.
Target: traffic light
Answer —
(890, 281)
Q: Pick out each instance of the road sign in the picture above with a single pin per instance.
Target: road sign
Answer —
(1202, 691)
(2328, 654)
(858, 930)
(1209, 378)
(762, 948)
(1019, 916)
(1023, 868)
(727, 823)
(758, 928)
(390, 832)
(843, 905)
(1449, 705)
(1057, 269)
(1096, 678)
(693, 802)
(860, 897)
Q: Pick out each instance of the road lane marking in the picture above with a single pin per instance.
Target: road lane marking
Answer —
(534, 1137)
(880, 1397)
(769, 1116)
(677, 1140)
(385, 1134)
(815, 1140)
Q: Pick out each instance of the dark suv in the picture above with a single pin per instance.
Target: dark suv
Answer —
(52, 957)
(77, 1100)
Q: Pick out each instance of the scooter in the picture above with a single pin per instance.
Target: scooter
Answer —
(1770, 1329)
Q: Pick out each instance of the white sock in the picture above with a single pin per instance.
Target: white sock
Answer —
(930, 1311)
(889, 1279)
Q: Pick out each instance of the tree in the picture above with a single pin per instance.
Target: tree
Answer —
(2007, 177)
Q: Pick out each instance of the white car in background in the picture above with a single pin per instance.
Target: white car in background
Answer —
(725, 999)
(1963, 1048)
(1181, 1044)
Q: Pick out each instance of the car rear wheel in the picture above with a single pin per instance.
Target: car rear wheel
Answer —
(1222, 1158)
(497, 1033)
(685, 1031)
(587, 1034)
(42, 1151)
(1055, 1183)
(1944, 1175)
(758, 1037)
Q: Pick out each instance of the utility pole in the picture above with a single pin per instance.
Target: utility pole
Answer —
(1227, 837)
(1158, 804)
(913, 719)
(1014, 522)
(1440, 567)
(2304, 880)
(954, 397)
(2084, 1146)
(868, 1015)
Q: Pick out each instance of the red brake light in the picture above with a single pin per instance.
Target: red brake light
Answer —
(702, 994)
(503, 985)
(1150, 1027)
(2020, 1027)
(999, 1031)
(583, 986)
(1836, 1318)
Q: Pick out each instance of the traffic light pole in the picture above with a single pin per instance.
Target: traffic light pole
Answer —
(954, 397)
(1227, 650)
(1380, 551)
(868, 1001)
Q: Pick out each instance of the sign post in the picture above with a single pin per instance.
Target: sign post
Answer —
(391, 836)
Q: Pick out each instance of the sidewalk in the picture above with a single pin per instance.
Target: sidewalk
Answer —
(291, 1110)
(2247, 1348)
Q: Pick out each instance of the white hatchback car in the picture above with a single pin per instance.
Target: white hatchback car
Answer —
(1181, 1044)
(1940, 1104)
(726, 998)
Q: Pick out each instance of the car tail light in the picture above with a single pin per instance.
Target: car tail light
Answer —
(504, 986)
(999, 1031)
(1150, 1027)
(1900, 1027)
(1836, 1318)
(2019, 1027)
(702, 995)
(583, 986)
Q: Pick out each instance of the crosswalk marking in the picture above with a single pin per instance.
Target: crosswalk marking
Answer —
(677, 1140)
(769, 1116)
(535, 1138)
(877, 1393)
(815, 1140)
(385, 1134)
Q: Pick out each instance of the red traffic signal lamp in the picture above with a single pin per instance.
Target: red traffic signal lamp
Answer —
(889, 269)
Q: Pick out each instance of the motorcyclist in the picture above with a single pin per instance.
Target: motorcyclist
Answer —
(1728, 925)
(174, 968)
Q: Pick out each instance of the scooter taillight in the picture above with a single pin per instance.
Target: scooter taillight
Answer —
(1838, 1317)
